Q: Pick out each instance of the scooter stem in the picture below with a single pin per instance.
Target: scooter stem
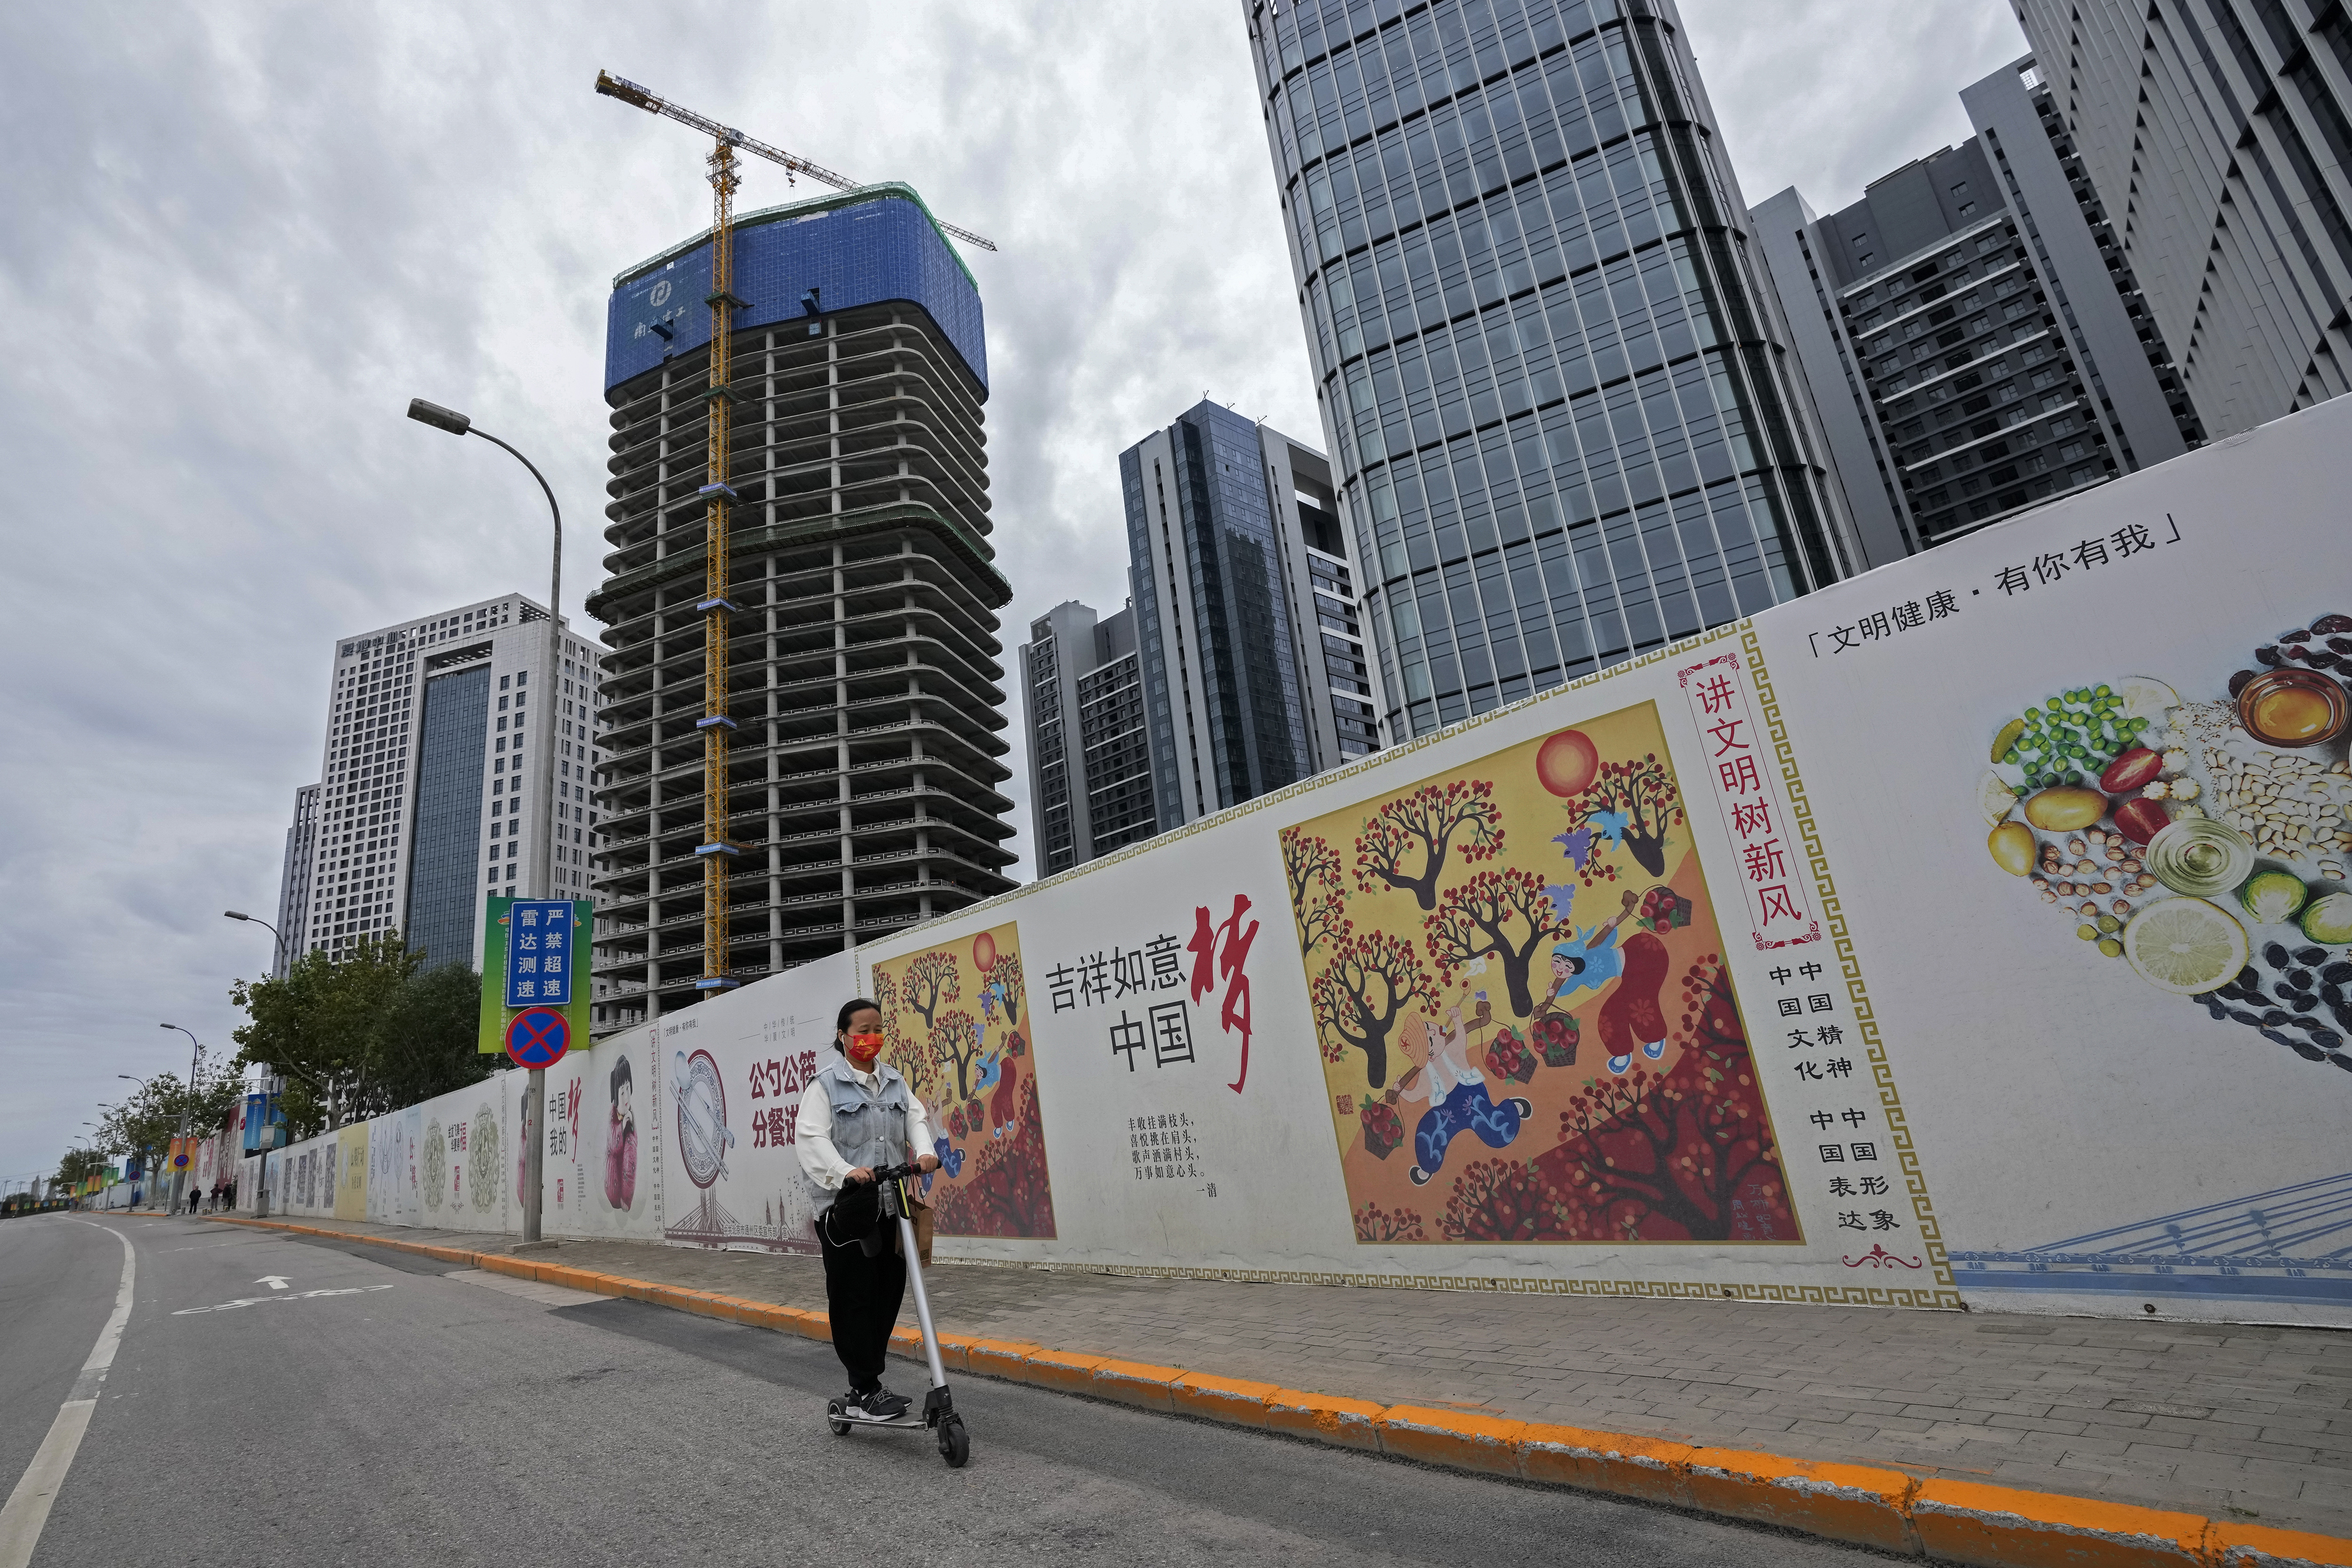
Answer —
(922, 1301)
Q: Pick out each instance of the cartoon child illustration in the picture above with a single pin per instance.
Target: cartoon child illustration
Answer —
(621, 1141)
(1630, 1018)
(1456, 1094)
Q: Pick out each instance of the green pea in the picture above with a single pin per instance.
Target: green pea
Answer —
(2074, 778)
(2087, 932)
(2111, 947)
(2106, 691)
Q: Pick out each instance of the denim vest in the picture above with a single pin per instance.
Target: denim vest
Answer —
(868, 1129)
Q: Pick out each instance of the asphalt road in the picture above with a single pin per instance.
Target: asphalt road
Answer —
(418, 1416)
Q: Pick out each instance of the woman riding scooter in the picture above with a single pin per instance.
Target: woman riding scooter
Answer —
(856, 1114)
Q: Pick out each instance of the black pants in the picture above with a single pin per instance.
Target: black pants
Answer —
(862, 1296)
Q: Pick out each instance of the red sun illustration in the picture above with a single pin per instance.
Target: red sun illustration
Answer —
(983, 953)
(1567, 763)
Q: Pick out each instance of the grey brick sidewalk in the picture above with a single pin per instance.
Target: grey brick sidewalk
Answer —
(2235, 1423)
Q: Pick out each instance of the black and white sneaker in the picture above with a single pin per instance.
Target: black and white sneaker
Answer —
(884, 1406)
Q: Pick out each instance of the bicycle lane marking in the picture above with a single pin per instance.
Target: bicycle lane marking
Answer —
(27, 1509)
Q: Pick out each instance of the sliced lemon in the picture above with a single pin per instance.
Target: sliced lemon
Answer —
(2145, 697)
(2185, 945)
(1995, 799)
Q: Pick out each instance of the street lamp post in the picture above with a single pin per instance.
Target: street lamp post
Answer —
(234, 915)
(146, 1155)
(187, 1105)
(543, 867)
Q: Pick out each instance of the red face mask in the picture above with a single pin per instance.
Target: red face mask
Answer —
(863, 1050)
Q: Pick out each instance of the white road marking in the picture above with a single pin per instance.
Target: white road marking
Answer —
(275, 1282)
(528, 1289)
(27, 1509)
(258, 1300)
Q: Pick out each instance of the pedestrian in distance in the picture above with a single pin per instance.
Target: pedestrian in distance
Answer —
(856, 1114)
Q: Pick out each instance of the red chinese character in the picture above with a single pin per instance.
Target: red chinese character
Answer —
(1727, 736)
(1751, 820)
(1778, 903)
(1210, 962)
(1739, 775)
(1716, 692)
(1765, 861)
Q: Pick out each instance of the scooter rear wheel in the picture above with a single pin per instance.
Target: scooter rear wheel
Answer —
(954, 1447)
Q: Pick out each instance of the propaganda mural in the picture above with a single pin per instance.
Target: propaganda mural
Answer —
(1528, 1029)
(955, 1022)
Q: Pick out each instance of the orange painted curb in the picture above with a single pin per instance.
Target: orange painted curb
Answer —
(1060, 1368)
(1854, 1504)
(998, 1358)
(1965, 1522)
(1136, 1382)
(1234, 1400)
(2252, 1546)
(1326, 1417)
(1653, 1469)
(952, 1351)
(1451, 1438)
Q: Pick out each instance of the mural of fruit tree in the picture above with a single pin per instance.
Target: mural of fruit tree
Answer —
(1528, 1031)
(955, 1021)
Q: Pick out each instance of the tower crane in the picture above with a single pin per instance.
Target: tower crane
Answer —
(627, 91)
(718, 849)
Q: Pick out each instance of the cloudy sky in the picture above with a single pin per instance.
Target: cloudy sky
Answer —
(238, 238)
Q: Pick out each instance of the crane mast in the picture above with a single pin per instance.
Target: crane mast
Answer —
(718, 849)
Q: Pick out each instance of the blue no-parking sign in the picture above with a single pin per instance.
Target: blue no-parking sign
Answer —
(538, 1037)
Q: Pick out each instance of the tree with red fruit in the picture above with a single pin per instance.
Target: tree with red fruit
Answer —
(1503, 914)
(932, 979)
(1006, 975)
(1322, 922)
(1376, 1224)
(1306, 859)
(1405, 844)
(1504, 1200)
(1370, 981)
(1644, 795)
(1676, 1155)
(954, 1045)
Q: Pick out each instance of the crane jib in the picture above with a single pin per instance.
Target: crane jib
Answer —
(627, 91)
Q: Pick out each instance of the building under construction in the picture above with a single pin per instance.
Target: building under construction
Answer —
(847, 736)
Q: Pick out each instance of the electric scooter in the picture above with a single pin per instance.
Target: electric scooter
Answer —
(939, 1412)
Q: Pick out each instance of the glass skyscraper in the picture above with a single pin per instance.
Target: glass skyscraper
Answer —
(1552, 381)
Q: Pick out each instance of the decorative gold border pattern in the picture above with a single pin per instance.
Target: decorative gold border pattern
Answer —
(1898, 1126)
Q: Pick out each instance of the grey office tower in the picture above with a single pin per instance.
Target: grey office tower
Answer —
(1548, 372)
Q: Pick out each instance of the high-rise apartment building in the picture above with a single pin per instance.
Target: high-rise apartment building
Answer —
(2217, 135)
(1089, 739)
(1971, 335)
(1245, 624)
(1562, 427)
(294, 874)
(423, 806)
(865, 692)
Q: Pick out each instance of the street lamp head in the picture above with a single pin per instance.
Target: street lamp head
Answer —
(440, 418)
(234, 915)
(167, 1025)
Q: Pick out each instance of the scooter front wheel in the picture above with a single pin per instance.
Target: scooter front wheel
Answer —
(833, 1418)
(954, 1447)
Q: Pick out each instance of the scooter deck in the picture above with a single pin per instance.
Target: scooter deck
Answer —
(912, 1421)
